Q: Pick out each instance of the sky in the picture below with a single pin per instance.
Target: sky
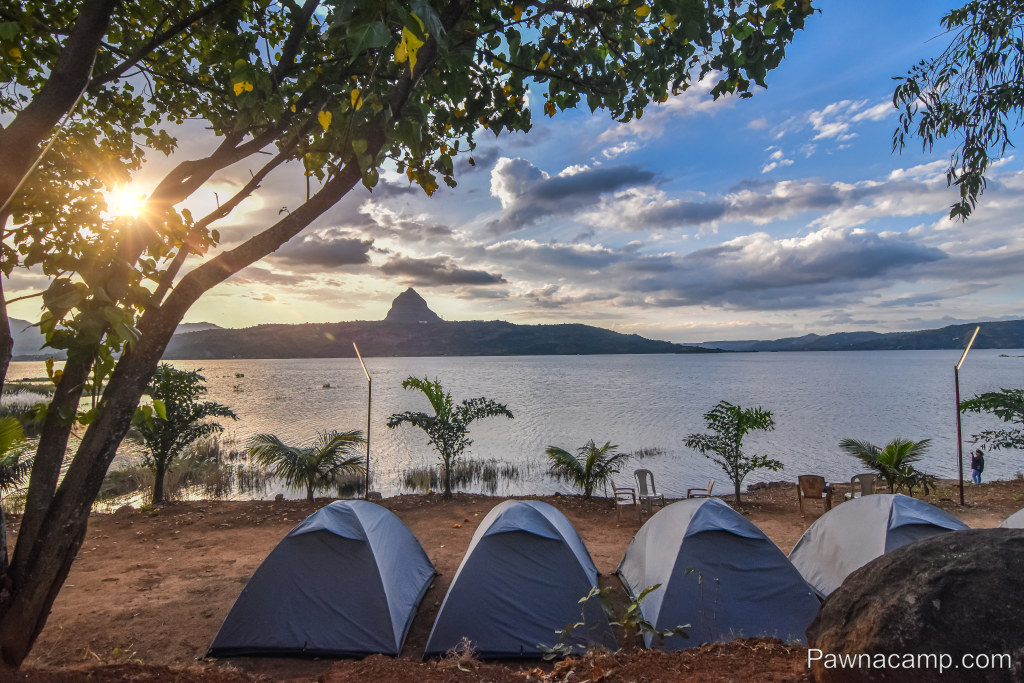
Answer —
(779, 215)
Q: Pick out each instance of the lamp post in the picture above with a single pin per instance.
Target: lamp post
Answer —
(959, 438)
(369, 397)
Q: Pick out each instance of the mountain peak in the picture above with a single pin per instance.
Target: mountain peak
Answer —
(410, 307)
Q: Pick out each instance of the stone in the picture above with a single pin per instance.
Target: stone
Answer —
(952, 595)
(410, 307)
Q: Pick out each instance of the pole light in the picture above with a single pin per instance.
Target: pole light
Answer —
(959, 438)
(369, 398)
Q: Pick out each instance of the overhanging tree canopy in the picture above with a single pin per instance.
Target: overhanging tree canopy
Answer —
(340, 87)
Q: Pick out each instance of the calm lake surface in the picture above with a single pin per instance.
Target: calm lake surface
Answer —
(642, 401)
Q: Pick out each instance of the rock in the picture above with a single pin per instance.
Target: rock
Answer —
(124, 509)
(279, 498)
(952, 595)
(410, 307)
(375, 495)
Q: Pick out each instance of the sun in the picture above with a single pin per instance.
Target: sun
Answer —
(124, 202)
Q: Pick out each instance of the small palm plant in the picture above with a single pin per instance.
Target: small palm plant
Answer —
(447, 429)
(313, 467)
(13, 470)
(592, 465)
(894, 463)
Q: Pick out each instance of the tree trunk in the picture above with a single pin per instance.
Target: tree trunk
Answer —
(158, 480)
(53, 444)
(64, 513)
(6, 338)
(309, 493)
(447, 467)
(737, 484)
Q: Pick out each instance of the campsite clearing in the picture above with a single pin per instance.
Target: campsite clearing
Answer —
(151, 588)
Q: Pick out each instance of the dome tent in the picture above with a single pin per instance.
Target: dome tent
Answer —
(1014, 521)
(718, 573)
(521, 580)
(346, 581)
(856, 532)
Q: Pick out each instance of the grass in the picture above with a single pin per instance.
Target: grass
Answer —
(488, 474)
(209, 470)
(652, 452)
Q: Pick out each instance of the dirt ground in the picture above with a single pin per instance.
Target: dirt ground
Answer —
(150, 588)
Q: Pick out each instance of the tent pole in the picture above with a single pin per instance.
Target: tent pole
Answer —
(959, 438)
(369, 399)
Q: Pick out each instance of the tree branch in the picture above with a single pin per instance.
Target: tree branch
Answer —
(66, 84)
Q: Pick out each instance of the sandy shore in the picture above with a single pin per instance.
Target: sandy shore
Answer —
(152, 587)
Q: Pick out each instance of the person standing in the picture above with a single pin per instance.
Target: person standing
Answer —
(977, 466)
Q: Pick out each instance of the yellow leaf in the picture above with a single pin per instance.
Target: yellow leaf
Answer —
(779, 4)
(14, 52)
(642, 11)
(407, 49)
(517, 12)
(293, 108)
(324, 118)
(549, 108)
(671, 21)
(357, 100)
(242, 86)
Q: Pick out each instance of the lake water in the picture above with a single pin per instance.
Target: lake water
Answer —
(642, 401)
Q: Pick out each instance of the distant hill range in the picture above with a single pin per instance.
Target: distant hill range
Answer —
(412, 329)
(993, 335)
(28, 340)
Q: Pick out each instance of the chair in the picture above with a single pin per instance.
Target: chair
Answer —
(862, 485)
(812, 487)
(624, 496)
(701, 493)
(647, 498)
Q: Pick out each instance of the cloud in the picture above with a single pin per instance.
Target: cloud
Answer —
(694, 100)
(777, 159)
(756, 271)
(555, 296)
(437, 270)
(388, 223)
(528, 194)
(759, 272)
(841, 205)
(836, 120)
(331, 248)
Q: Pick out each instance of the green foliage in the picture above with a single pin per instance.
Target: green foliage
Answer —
(632, 622)
(352, 84)
(320, 465)
(447, 429)
(341, 88)
(1008, 406)
(177, 420)
(14, 466)
(590, 467)
(894, 463)
(973, 92)
(728, 425)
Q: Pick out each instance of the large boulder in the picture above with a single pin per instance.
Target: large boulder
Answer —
(926, 611)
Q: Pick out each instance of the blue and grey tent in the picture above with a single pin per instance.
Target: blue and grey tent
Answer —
(521, 580)
(1014, 521)
(852, 534)
(717, 574)
(344, 582)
